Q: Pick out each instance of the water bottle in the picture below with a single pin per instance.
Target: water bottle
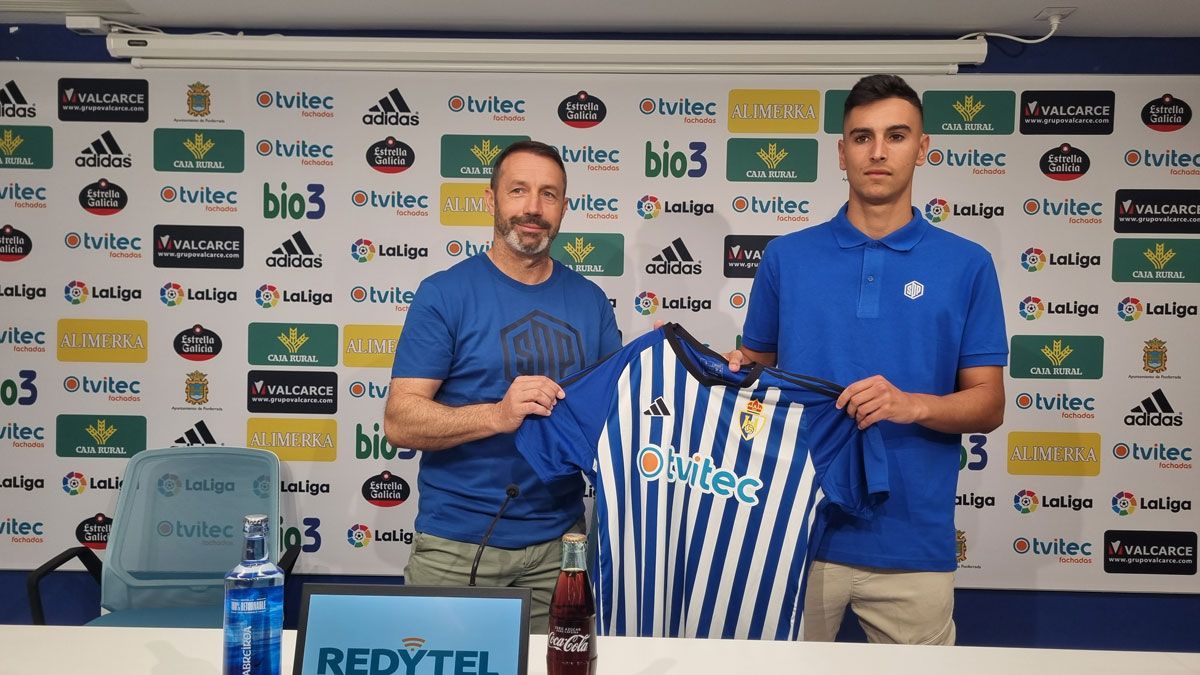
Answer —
(571, 641)
(254, 607)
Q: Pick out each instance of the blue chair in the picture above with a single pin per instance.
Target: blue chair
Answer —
(177, 530)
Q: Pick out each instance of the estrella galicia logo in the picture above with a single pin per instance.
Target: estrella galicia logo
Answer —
(390, 156)
(197, 343)
(539, 344)
(93, 531)
(103, 198)
(1166, 113)
(291, 391)
(1149, 552)
(582, 110)
(14, 244)
(103, 100)
(1064, 162)
(1067, 112)
(199, 246)
(386, 489)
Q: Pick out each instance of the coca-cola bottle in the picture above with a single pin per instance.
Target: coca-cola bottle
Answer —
(571, 642)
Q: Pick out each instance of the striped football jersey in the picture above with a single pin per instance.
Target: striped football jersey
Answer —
(707, 485)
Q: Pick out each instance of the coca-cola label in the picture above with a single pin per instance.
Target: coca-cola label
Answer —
(569, 639)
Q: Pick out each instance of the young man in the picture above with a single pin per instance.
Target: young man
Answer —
(482, 347)
(910, 315)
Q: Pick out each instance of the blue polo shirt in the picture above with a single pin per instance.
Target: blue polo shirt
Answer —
(916, 307)
(476, 329)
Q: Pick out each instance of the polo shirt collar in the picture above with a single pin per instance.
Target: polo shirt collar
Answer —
(903, 239)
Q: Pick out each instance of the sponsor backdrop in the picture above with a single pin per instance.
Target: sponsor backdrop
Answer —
(200, 257)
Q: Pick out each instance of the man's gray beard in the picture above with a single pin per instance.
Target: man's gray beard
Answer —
(513, 239)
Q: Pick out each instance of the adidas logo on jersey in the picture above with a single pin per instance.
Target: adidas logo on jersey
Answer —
(295, 252)
(1154, 411)
(392, 110)
(658, 409)
(674, 259)
(197, 435)
(104, 152)
(655, 463)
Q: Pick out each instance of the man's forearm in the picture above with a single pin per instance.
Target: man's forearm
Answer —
(416, 422)
(979, 409)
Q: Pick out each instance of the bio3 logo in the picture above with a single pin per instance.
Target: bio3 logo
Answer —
(668, 163)
(293, 205)
(11, 390)
(698, 472)
(977, 450)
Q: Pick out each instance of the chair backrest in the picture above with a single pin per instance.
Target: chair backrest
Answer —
(178, 525)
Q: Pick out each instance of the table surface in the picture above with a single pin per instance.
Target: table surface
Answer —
(39, 650)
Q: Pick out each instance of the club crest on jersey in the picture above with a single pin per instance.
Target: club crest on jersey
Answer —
(750, 421)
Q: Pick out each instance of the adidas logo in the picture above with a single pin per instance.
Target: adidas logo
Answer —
(197, 435)
(104, 152)
(392, 110)
(658, 408)
(1154, 411)
(674, 259)
(13, 103)
(295, 253)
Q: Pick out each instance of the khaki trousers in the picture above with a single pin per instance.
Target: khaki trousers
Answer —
(435, 561)
(893, 606)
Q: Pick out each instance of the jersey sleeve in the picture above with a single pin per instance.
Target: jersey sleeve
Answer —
(426, 341)
(852, 464)
(984, 340)
(760, 331)
(564, 443)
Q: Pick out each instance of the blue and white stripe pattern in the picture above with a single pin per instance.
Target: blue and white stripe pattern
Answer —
(704, 513)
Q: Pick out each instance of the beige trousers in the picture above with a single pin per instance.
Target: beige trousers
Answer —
(893, 606)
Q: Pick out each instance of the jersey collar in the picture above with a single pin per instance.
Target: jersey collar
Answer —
(903, 239)
(687, 347)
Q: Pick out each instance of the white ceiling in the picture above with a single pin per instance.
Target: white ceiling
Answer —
(1093, 18)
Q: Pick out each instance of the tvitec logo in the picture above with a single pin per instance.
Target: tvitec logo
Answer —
(692, 112)
(117, 246)
(213, 200)
(667, 163)
(1066, 551)
(310, 153)
(595, 159)
(399, 298)
(500, 109)
(1076, 212)
(1177, 163)
(307, 104)
(1069, 407)
(979, 162)
(1167, 457)
(697, 472)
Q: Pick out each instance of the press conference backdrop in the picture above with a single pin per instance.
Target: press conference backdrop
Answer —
(228, 257)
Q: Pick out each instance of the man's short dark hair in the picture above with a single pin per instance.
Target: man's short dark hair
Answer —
(874, 88)
(534, 148)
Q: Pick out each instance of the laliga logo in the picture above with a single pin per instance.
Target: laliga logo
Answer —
(937, 210)
(1124, 503)
(1025, 501)
(362, 250)
(698, 472)
(358, 535)
(1129, 309)
(1031, 308)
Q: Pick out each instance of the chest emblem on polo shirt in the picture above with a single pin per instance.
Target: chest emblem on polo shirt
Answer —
(914, 289)
(540, 344)
(750, 421)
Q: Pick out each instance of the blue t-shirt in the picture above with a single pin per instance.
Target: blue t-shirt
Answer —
(477, 329)
(916, 307)
(706, 482)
